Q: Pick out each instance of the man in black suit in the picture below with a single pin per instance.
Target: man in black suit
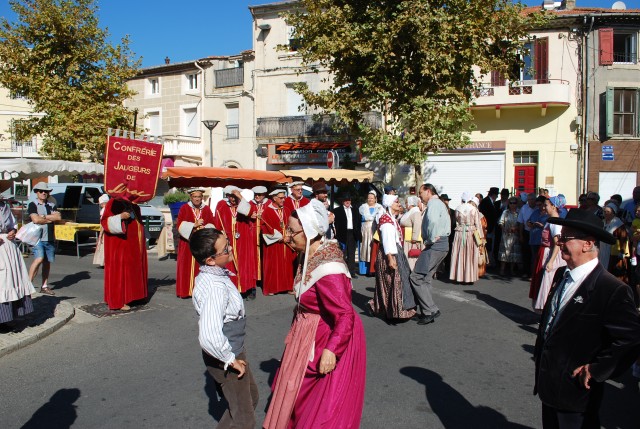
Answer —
(488, 208)
(589, 330)
(348, 233)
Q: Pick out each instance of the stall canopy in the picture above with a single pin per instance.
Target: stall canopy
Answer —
(185, 177)
(22, 168)
(330, 176)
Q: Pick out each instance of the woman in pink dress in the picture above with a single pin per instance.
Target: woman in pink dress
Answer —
(320, 383)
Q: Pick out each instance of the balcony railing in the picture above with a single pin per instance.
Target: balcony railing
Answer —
(233, 132)
(229, 77)
(625, 58)
(551, 91)
(182, 147)
(310, 125)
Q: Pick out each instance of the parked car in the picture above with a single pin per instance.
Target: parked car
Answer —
(78, 202)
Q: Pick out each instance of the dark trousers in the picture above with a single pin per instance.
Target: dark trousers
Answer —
(240, 393)
(350, 251)
(526, 254)
(552, 418)
(534, 257)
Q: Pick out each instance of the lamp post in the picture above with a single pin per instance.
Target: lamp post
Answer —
(210, 124)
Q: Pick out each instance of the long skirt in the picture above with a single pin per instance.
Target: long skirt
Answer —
(464, 257)
(11, 310)
(393, 298)
(15, 286)
(545, 277)
(365, 244)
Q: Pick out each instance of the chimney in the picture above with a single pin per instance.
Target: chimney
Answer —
(569, 4)
(167, 60)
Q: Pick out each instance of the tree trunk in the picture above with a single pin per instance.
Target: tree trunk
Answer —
(417, 173)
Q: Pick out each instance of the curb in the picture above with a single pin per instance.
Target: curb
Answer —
(63, 312)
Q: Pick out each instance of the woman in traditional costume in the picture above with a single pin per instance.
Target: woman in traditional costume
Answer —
(464, 251)
(368, 213)
(15, 286)
(393, 297)
(509, 251)
(321, 379)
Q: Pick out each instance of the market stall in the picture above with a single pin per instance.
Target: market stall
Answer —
(331, 176)
(185, 177)
(23, 168)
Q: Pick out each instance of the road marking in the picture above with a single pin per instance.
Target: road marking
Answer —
(463, 297)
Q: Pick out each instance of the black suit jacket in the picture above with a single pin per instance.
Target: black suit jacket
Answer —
(341, 224)
(600, 326)
(489, 210)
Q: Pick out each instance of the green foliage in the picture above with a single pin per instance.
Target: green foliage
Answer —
(59, 58)
(413, 60)
(175, 197)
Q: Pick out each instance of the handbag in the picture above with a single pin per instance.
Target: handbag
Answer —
(29, 233)
(414, 252)
(478, 238)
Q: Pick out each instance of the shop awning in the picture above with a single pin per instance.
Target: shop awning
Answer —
(185, 177)
(24, 168)
(336, 175)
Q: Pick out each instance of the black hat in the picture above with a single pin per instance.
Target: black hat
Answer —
(444, 197)
(586, 222)
(346, 197)
(494, 191)
(504, 191)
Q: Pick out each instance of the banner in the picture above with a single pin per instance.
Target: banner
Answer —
(131, 168)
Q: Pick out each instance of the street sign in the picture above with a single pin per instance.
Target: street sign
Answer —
(607, 156)
(333, 159)
(607, 149)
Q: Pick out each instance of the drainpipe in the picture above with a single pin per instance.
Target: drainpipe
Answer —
(195, 63)
(586, 105)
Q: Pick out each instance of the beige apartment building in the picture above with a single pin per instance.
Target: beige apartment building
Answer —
(178, 102)
(13, 109)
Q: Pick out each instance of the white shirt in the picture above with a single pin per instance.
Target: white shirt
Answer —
(347, 211)
(578, 274)
(524, 215)
(217, 301)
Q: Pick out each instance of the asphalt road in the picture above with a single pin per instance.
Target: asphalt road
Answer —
(472, 368)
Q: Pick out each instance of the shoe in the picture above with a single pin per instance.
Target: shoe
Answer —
(47, 291)
(125, 308)
(436, 314)
(416, 317)
(252, 294)
(425, 320)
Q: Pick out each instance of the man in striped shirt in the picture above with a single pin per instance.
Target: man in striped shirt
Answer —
(222, 328)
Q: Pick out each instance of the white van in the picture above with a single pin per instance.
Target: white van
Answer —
(78, 202)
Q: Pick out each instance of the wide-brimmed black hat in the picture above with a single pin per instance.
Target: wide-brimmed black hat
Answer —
(586, 222)
(444, 197)
(494, 191)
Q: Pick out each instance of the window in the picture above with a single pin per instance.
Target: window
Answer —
(534, 65)
(292, 40)
(17, 95)
(295, 102)
(525, 157)
(191, 83)
(622, 112)
(617, 46)
(154, 86)
(233, 120)
(153, 123)
(191, 125)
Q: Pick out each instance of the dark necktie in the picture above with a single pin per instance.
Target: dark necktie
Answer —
(555, 304)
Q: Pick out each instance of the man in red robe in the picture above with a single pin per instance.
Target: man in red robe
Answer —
(296, 199)
(278, 257)
(257, 206)
(125, 254)
(233, 218)
(192, 216)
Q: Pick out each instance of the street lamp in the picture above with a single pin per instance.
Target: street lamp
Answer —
(210, 124)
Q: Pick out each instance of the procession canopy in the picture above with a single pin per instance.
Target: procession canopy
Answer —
(328, 175)
(186, 177)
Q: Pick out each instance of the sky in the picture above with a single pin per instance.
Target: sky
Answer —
(192, 29)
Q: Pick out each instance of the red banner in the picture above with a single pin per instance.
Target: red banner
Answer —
(131, 168)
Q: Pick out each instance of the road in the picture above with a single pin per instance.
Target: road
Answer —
(470, 369)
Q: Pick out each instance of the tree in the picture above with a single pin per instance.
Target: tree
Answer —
(57, 56)
(413, 60)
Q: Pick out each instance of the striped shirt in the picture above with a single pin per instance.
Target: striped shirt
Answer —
(217, 301)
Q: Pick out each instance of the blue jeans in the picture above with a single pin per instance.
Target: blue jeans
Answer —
(45, 248)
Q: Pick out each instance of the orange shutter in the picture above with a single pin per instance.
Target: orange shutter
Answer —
(605, 40)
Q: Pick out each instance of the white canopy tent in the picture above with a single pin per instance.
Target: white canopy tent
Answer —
(23, 168)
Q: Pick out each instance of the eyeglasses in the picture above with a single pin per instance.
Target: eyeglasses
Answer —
(292, 233)
(226, 251)
(565, 238)
(40, 191)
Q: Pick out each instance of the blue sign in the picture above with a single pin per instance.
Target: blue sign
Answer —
(607, 156)
(607, 149)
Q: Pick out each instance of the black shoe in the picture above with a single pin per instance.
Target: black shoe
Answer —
(354, 276)
(436, 314)
(425, 320)
(416, 317)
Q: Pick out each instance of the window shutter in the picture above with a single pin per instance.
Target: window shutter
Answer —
(605, 41)
(609, 111)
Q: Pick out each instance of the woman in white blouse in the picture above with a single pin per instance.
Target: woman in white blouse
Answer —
(368, 212)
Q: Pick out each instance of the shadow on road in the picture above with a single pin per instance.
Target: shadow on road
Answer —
(217, 403)
(453, 410)
(71, 279)
(44, 308)
(514, 312)
(270, 367)
(617, 411)
(58, 413)
(360, 300)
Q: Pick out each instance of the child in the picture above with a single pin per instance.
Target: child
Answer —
(222, 328)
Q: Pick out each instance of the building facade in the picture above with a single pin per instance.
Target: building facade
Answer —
(13, 109)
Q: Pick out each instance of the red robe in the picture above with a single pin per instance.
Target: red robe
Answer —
(256, 233)
(278, 257)
(292, 204)
(125, 255)
(236, 224)
(187, 268)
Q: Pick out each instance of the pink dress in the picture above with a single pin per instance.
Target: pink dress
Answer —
(327, 401)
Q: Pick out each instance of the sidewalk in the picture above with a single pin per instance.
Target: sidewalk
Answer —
(50, 313)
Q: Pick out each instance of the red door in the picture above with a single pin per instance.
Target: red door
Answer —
(525, 179)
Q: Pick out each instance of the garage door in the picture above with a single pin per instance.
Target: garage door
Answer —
(454, 174)
(611, 182)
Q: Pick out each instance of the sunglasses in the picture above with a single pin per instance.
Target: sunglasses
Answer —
(40, 191)
(565, 238)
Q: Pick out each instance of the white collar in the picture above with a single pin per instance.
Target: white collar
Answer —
(578, 274)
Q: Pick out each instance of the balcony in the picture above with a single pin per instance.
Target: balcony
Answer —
(229, 77)
(182, 147)
(310, 125)
(525, 93)
(27, 148)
